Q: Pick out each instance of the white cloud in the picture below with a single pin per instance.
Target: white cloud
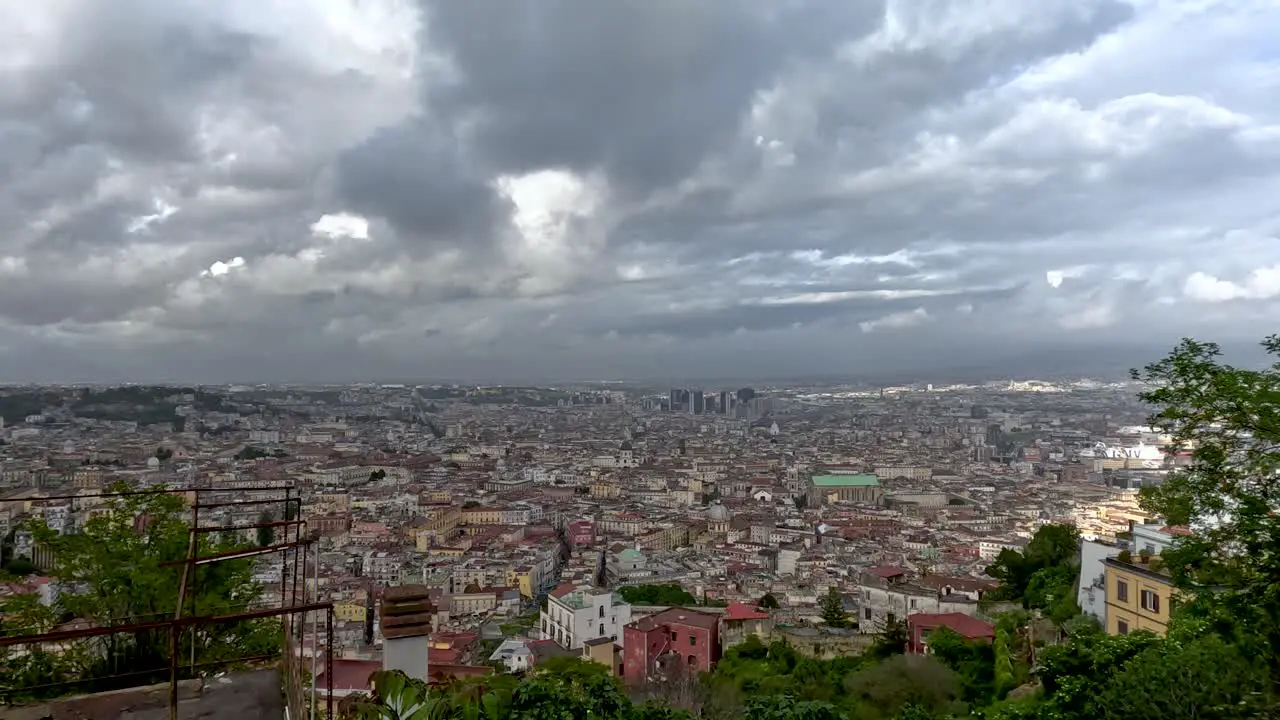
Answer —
(220, 268)
(896, 321)
(341, 225)
(1261, 284)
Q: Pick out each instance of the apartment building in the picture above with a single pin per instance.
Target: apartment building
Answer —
(575, 615)
(1140, 596)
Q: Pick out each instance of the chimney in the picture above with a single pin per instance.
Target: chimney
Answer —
(407, 612)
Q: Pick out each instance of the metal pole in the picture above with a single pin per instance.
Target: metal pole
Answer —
(284, 556)
(328, 664)
(315, 628)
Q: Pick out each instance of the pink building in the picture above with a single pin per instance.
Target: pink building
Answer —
(581, 532)
(654, 646)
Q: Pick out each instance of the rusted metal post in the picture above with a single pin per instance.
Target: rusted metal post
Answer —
(328, 662)
(284, 556)
(176, 627)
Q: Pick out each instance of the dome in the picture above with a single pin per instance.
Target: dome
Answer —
(153, 462)
(718, 513)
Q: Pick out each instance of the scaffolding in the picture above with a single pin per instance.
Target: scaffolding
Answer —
(292, 609)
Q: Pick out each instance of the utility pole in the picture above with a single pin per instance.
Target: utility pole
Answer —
(315, 625)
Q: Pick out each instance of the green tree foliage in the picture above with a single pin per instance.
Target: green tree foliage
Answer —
(768, 602)
(21, 567)
(885, 689)
(250, 452)
(973, 662)
(1229, 418)
(266, 535)
(117, 567)
(832, 609)
(560, 689)
(786, 707)
(893, 641)
(1043, 575)
(669, 595)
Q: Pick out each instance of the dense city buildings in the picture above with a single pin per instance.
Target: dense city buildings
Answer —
(514, 522)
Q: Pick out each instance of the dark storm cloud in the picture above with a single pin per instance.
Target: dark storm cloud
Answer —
(416, 179)
(643, 89)
(684, 169)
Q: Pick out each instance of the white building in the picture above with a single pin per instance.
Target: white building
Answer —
(1092, 595)
(514, 655)
(575, 615)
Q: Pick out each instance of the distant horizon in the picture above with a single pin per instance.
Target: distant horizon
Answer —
(1058, 364)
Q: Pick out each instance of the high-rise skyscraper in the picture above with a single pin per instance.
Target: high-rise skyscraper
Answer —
(697, 402)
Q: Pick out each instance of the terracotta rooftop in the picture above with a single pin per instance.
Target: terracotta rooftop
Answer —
(742, 611)
(677, 616)
(966, 626)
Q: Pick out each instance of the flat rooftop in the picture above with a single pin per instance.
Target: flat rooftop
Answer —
(235, 696)
(837, 481)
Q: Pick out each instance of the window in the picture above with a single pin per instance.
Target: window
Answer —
(866, 613)
(1150, 601)
(1122, 591)
(913, 603)
(1122, 627)
(601, 611)
(675, 636)
(892, 618)
(601, 631)
(693, 640)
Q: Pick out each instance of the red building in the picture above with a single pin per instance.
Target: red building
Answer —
(581, 532)
(920, 625)
(653, 645)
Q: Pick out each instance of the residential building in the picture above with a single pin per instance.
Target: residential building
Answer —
(677, 640)
(1138, 597)
(920, 625)
(575, 615)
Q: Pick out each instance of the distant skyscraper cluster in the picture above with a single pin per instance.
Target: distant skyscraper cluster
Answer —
(742, 403)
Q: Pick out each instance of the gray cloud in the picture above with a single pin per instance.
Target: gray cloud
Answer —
(425, 188)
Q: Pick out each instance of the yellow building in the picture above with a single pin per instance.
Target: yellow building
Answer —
(350, 611)
(522, 578)
(1138, 598)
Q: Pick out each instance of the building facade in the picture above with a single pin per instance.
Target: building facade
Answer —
(860, 488)
(672, 643)
(1138, 598)
(575, 615)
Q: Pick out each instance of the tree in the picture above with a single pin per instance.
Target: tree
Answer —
(21, 567)
(266, 535)
(972, 661)
(832, 609)
(768, 602)
(885, 689)
(398, 697)
(1206, 677)
(1042, 573)
(1228, 418)
(893, 641)
(119, 565)
(667, 594)
(786, 707)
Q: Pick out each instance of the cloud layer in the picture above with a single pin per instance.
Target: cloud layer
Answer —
(346, 189)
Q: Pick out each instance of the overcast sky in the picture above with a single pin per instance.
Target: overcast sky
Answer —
(523, 189)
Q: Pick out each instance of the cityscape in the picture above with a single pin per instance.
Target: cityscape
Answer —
(453, 532)
(640, 360)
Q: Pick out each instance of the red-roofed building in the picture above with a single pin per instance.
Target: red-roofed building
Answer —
(920, 625)
(741, 621)
(678, 635)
